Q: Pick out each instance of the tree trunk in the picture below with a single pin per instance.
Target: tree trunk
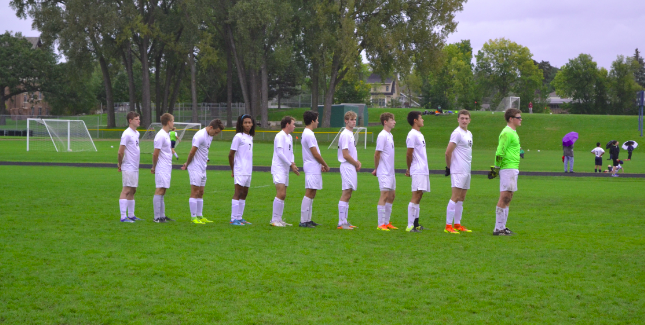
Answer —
(175, 92)
(315, 77)
(158, 96)
(264, 94)
(166, 88)
(229, 85)
(255, 99)
(241, 74)
(107, 82)
(146, 110)
(336, 77)
(193, 85)
(127, 60)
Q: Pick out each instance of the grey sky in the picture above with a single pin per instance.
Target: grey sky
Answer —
(554, 30)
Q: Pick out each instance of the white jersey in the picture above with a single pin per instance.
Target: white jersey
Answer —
(598, 151)
(309, 164)
(162, 142)
(282, 144)
(419, 164)
(385, 144)
(202, 141)
(346, 141)
(243, 146)
(462, 156)
(130, 139)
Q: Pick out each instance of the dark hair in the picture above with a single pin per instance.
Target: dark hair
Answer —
(463, 112)
(216, 124)
(597, 144)
(309, 117)
(165, 118)
(511, 112)
(286, 120)
(239, 128)
(386, 117)
(131, 116)
(414, 115)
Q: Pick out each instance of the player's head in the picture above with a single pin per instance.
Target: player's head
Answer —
(415, 116)
(350, 119)
(512, 113)
(286, 121)
(245, 124)
(215, 127)
(167, 120)
(463, 117)
(616, 142)
(597, 144)
(133, 118)
(386, 117)
(310, 117)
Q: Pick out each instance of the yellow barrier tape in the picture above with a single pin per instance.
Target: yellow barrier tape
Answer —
(258, 131)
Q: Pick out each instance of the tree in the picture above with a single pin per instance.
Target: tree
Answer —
(577, 80)
(639, 72)
(623, 86)
(549, 73)
(354, 87)
(450, 84)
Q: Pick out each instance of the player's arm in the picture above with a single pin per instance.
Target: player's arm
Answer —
(377, 160)
(319, 158)
(501, 150)
(408, 160)
(231, 161)
(191, 155)
(120, 156)
(351, 160)
(155, 158)
(451, 147)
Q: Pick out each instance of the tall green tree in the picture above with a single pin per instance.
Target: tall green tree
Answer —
(451, 84)
(578, 80)
(623, 86)
(639, 72)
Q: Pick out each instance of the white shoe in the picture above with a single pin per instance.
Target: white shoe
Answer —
(278, 224)
(287, 224)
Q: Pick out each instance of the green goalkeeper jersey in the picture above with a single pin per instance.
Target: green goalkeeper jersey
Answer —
(507, 155)
(173, 136)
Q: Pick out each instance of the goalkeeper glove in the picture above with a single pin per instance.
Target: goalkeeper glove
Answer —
(494, 171)
(447, 171)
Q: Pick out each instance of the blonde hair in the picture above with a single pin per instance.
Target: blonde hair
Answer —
(350, 115)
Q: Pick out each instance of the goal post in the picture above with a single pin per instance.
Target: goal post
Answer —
(185, 131)
(58, 135)
(357, 135)
(508, 102)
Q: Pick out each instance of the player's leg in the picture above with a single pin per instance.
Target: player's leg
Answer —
(195, 190)
(380, 209)
(172, 147)
(158, 204)
(123, 204)
(239, 200)
(388, 209)
(501, 212)
(413, 211)
(278, 202)
(305, 207)
(343, 207)
(349, 180)
(459, 209)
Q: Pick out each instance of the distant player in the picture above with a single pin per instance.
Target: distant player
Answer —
(162, 166)
(384, 170)
(128, 166)
(196, 165)
(598, 151)
(240, 158)
(614, 152)
(459, 156)
(313, 166)
(349, 166)
(417, 161)
(173, 141)
(507, 164)
(283, 160)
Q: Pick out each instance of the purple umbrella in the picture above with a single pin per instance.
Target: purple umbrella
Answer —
(569, 139)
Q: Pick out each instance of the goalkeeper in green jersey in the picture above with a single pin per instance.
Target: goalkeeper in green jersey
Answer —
(507, 164)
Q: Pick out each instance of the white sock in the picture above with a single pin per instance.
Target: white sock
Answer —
(388, 212)
(450, 212)
(234, 209)
(123, 208)
(499, 218)
(459, 208)
(347, 213)
(192, 203)
(311, 207)
(381, 214)
(412, 214)
(156, 205)
(278, 208)
(418, 211)
(176, 155)
(163, 206)
(305, 209)
(342, 212)
(200, 207)
(240, 211)
(130, 208)
(505, 216)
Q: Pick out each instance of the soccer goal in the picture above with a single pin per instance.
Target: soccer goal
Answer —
(185, 132)
(357, 137)
(508, 102)
(58, 135)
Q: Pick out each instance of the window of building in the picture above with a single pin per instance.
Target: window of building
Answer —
(40, 96)
(381, 102)
(387, 88)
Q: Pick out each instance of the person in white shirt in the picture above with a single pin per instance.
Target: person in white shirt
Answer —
(128, 165)
(384, 170)
(196, 165)
(598, 152)
(459, 156)
(349, 166)
(283, 160)
(417, 161)
(313, 165)
(240, 158)
(162, 166)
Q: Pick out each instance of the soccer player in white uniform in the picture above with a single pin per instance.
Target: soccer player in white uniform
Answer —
(240, 158)
(313, 165)
(283, 160)
(162, 166)
(417, 161)
(384, 170)
(459, 156)
(349, 166)
(128, 166)
(196, 165)
(598, 152)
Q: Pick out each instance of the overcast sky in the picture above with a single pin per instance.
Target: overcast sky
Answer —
(554, 30)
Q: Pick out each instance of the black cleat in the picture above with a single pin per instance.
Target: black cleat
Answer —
(503, 232)
(306, 225)
(160, 220)
(168, 219)
(314, 224)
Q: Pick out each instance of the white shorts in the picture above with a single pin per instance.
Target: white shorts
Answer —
(197, 177)
(461, 181)
(281, 178)
(348, 176)
(508, 180)
(162, 180)
(243, 180)
(130, 178)
(387, 183)
(313, 181)
(421, 183)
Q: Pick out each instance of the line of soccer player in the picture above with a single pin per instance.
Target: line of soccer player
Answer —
(458, 167)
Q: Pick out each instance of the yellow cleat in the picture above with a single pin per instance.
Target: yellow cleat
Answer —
(204, 220)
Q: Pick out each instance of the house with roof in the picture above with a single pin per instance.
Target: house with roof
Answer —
(383, 91)
(555, 103)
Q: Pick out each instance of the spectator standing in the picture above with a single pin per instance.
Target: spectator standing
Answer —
(614, 151)
(598, 151)
(568, 158)
(630, 148)
(530, 107)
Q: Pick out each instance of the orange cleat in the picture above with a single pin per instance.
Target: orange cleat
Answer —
(390, 226)
(462, 228)
(450, 230)
(383, 228)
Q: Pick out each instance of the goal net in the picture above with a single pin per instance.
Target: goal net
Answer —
(185, 132)
(360, 135)
(58, 135)
(508, 102)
